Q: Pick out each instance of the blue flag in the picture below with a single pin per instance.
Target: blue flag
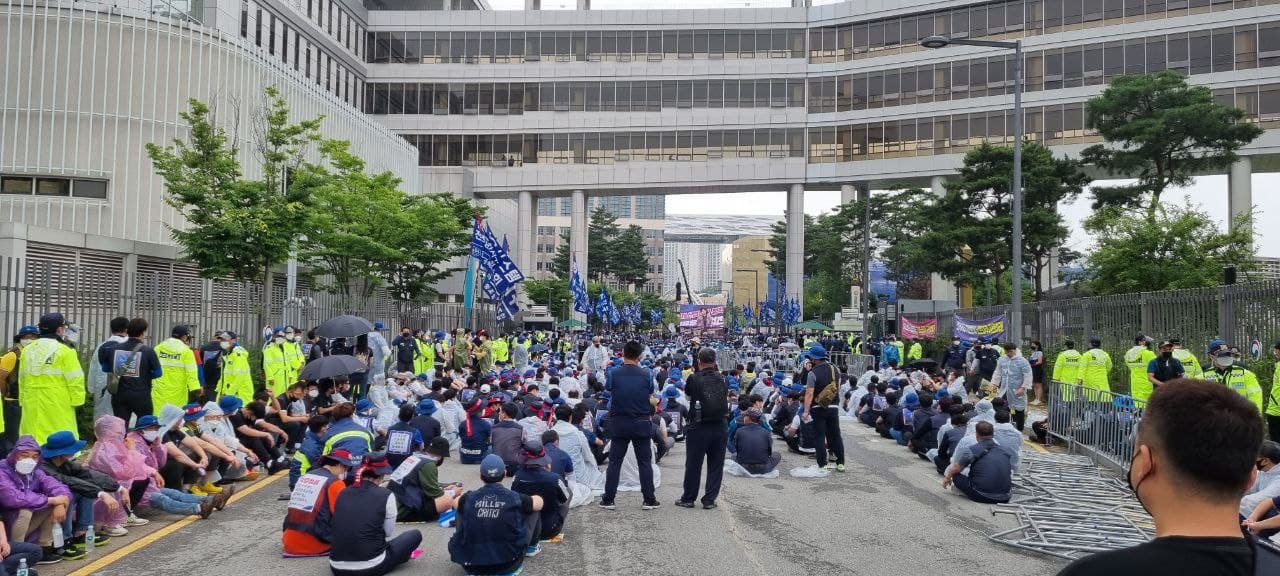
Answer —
(578, 290)
(655, 317)
(501, 275)
(603, 303)
(748, 316)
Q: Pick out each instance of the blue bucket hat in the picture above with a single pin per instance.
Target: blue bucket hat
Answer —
(379, 326)
(427, 407)
(912, 400)
(192, 412)
(149, 420)
(817, 352)
(230, 404)
(671, 392)
(61, 443)
(364, 404)
(28, 330)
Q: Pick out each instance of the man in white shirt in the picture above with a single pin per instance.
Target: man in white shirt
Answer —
(594, 357)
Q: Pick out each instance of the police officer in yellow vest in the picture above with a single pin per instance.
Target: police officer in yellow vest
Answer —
(277, 363)
(915, 352)
(294, 355)
(51, 381)
(1273, 405)
(1095, 367)
(1066, 367)
(501, 351)
(425, 358)
(236, 378)
(179, 373)
(1188, 360)
(1137, 359)
(1234, 377)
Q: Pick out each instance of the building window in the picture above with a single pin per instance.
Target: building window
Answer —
(53, 186)
(90, 189)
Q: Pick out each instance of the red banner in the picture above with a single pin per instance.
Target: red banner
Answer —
(924, 330)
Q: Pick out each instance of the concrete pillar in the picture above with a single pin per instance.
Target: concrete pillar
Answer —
(938, 185)
(848, 193)
(578, 236)
(526, 234)
(1240, 188)
(532, 4)
(795, 243)
(582, 4)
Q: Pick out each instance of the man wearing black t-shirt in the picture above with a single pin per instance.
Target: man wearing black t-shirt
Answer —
(1194, 459)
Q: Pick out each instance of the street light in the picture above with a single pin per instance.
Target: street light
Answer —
(1015, 315)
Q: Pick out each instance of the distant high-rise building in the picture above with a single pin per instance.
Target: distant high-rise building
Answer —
(646, 212)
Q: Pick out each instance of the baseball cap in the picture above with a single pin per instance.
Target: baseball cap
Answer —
(439, 447)
(181, 331)
(377, 462)
(492, 469)
(51, 321)
(341, 456)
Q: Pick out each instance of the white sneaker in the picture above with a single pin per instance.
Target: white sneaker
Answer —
(134, 520)
(113, 531)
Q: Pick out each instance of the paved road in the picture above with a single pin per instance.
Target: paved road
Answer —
(886, 515)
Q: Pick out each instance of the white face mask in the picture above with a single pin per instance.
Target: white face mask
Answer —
(225, 345)
(279, 339)
(1224, 361)
(25, 466)
(297, 338)
(27, 341)
(313, 393)
(150, 435)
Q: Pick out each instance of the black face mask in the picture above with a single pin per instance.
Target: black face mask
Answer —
(1128, 478)
(1166, 354)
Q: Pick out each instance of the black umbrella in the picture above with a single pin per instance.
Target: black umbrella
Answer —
(344, 327)
(330, 366)
(537, 349)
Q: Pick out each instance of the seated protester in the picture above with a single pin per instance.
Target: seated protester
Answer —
(755, 445)
(677, 412)
(222, 462)
(346, 433)
(900, 428)
(923, 435)
(1267, 485)
(1008, 437)
(890, 415)
(308, 521)
(536, 478)
(416, 484)
(289, 412)
(364, 519)
(561, 462)
(875, 403)
(32, 500)
(367, 417)
(1264, 520)
(18, 552)
(784, 411)
(312, 447)
(496, 526)
(253, 431)
(662, 440)
(474, 433)
(746, 403)
(425, 420)
(215, 427)
(990, 477)
(134, 460)
(402, 438)
(950, 439)
(507, 436)
(88, 487)
(581, 445)
(187, 462)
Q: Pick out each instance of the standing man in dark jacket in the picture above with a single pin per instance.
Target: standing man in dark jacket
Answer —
(825, 416)
(708, 434)
(406, 350)
(140, 366)
(630, 388)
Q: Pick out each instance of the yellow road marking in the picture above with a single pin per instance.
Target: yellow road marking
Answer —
(1035, 446)
(151, 538)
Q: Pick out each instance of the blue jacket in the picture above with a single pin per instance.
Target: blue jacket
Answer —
(544, 483)
(890, 354)
(733, 426)
(491, 530)
(349, 434)
(307, 456)
(475, 446)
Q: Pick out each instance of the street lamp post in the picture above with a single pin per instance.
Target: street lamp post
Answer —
(755, 291)
(1015, 280)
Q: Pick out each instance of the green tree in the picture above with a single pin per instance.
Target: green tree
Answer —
(552, 293)
(441, 235)
(1162, 131)
(1182, 248)
(561, 263)
(628, 262)
(601, 230)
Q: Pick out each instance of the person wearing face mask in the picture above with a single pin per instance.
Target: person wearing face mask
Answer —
(277, 363)
(237, 378)
(1226, 372)
(425, 358)
(312, 447)
(138, 458)
(32, 500)
(51, 381)
(1162, 368)
(97, 376)
(215, 427)
(88, 487)
(308, 523)
(9, 365)
(254, 432)
(314, 348)
(1194, 457)
(406, 347)
(179, 373)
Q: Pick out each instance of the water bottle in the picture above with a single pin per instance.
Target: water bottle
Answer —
(22, 568)
(88, 540)
(57, 536)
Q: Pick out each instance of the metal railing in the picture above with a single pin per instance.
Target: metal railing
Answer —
(855, 364)
(1097, 423)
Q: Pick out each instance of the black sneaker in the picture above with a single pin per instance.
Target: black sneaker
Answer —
(50, 556)
(650, 505)
(608, 505)
(683, 504)
(72, 553)
(708, 505)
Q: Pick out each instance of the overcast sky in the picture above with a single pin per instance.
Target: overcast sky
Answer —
(1209, 192)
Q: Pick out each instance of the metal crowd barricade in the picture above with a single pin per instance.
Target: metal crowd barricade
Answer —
(1096, 423)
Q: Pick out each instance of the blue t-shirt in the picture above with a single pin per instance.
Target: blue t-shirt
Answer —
(631, 387)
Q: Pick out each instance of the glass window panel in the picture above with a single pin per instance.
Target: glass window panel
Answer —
(1093, 65)
(410, 98)
(1246, 47)
(1269, 44)
(53, 187)
(1224, 50)
(17, 185)
(1200, 47)
(1113, 59)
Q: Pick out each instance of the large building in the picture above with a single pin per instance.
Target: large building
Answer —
(580, 105)
(644, 211)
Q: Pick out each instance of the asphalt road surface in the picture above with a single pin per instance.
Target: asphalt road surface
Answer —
(887, 515)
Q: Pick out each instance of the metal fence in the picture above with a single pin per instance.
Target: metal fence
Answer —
(90, 294)
(1098, 424)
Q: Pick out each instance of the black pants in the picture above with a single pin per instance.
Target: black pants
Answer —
(708, 442)
(1019, 418)
(266, 454)
(965, 485)
(637, 432)
(176, 475)
(1273, 424)
(398, 551)
(826, 434)
(293, 430)
(767, 467)
(12, 420)
(137, 490)
(126, 403)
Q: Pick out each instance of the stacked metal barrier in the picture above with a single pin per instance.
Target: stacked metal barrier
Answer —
(1067, 507)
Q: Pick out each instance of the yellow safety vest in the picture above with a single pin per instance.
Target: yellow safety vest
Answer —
(236, 378)
(1273, 407)
(501, 351)
(51, 385)
(1241, 380)
(1190, 365)
(1097, 367)
(1137, 359)
(179, 375)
